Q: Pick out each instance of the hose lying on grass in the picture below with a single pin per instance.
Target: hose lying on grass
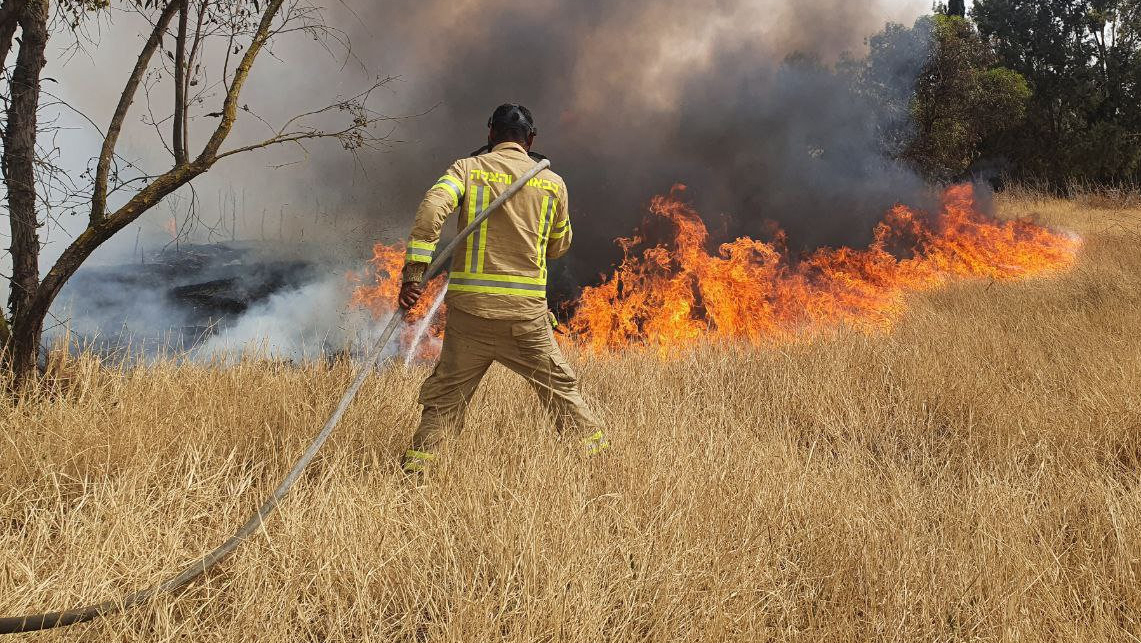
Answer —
(47, 620)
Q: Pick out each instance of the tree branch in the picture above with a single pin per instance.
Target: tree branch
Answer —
(241, 74)
(99, 195)
(191, 72)
(352, 137)
(291, 137)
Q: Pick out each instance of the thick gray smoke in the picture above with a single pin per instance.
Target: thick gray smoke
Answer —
(738, 99)
(635, 96)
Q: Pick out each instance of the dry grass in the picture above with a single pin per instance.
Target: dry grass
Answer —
(972, 475)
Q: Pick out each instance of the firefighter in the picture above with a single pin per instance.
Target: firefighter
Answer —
(497, 295)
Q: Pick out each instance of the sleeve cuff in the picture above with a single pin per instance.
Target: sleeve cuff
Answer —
(419, 251)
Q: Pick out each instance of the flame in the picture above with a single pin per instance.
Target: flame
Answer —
(677, 294)
(377, 289)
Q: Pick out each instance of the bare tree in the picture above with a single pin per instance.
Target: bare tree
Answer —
(199, 29)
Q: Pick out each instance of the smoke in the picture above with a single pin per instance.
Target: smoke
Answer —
(298, 323)
(739, 99)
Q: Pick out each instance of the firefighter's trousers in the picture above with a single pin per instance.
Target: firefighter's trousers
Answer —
(471, 344)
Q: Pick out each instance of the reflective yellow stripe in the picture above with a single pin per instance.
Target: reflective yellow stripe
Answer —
(542, 228)
(596, 443)
(547, 212)
(453, 186)
(595, 449)
(544, 206)
(472, 208)
(477, 241)
(496, 290)
(456, 274)
(447, 187)
(510, 285)
(416, 461)
(498, 284)
(419, 251)
(481, 242)
(456, 183)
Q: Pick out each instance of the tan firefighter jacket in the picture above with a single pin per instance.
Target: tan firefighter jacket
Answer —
(500, 271)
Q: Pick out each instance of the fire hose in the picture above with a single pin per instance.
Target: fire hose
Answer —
(33, 622)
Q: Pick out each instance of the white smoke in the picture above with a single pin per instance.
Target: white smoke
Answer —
(299, 324)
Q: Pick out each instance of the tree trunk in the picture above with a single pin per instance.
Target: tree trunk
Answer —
(179, 120)
(20, 181)
(957, 8)
(10, 11)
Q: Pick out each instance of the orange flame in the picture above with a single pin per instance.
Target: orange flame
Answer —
(377, 291)
(673, 296)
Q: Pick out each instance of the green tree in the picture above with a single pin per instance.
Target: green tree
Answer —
(1081, 60)
(942, 113)
(953, 8)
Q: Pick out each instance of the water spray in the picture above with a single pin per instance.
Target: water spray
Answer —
(33, 622)
(424, 325)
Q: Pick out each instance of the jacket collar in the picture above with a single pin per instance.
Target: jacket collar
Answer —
(509, 144)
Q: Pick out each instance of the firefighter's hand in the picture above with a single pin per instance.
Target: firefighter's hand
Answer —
(410, 292)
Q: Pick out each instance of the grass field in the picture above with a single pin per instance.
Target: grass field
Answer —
(975, 474)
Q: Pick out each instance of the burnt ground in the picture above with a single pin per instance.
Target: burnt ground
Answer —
(177, 297)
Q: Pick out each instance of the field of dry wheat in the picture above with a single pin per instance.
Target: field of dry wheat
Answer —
(973, 474)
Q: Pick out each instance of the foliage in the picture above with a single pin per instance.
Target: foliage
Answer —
(74, 11)
(961, 101)
(1082, 61)
(952, 8)
(1045, 91)
(942, 97)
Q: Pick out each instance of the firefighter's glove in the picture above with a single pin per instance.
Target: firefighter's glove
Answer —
(410, 292)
